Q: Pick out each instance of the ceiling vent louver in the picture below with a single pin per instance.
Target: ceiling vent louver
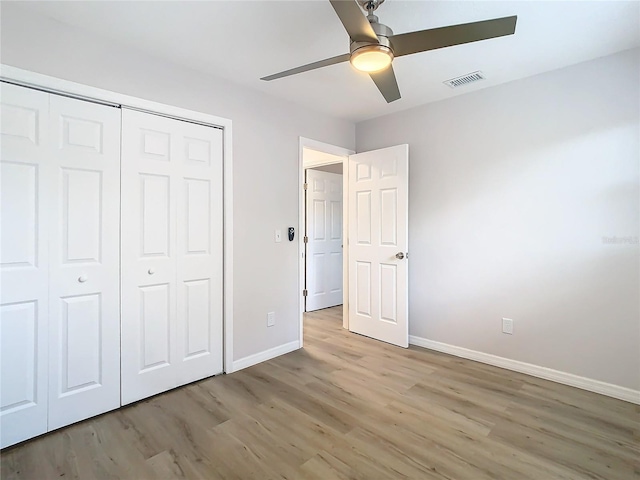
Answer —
(465, 79)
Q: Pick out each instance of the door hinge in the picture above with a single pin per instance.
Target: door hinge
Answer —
(305, 292)
(306, 185)
(306, 239)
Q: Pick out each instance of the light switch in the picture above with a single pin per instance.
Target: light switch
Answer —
(507, 326)
(278, 236)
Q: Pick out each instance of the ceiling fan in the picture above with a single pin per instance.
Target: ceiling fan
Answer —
(374, 46)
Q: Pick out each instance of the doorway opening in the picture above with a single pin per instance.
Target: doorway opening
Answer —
(322, 220)
(375, 237)
(323, 239)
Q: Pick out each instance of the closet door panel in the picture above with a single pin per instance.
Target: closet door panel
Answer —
(24, 168)
(171, 254)
(149, 185)
(199, 252)
(84, 354)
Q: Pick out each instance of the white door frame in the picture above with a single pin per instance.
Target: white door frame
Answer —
(340, 152)
(49, 84)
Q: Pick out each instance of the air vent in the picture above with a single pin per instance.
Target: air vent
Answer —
(465, 79)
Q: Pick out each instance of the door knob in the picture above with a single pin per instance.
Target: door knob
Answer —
(399, 255)
(82, 278)
(151, 271)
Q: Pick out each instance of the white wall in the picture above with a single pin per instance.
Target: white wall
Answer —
(512, 190)
(265, 155)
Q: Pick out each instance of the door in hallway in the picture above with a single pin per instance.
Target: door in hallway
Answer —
(324, 233)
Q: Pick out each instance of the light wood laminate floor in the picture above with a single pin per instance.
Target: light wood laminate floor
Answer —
(349, 407)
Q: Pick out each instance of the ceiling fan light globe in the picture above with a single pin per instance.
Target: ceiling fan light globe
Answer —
(371, 58)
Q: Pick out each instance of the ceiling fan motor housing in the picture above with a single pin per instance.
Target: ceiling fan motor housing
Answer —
(382, 31)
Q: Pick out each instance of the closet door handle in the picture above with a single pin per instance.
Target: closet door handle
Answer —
(82, 278)
(151, 271)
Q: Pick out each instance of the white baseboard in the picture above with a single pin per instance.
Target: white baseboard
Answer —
(608, 389)
(265, 355)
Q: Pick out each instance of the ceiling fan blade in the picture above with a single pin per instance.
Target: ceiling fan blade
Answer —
(354, 21)
(387, 84)
(414, 42)
(310, 66)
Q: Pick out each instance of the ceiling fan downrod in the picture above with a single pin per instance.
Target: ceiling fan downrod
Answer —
(380, 29)
(370, 5)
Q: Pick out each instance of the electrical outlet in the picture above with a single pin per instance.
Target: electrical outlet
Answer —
(271, 319)
(507, 326)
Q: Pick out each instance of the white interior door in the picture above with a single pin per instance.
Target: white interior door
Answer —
(199, 251)
(24, 166)
(84, 254)
(324, 246)
(171, 253)
(378, 239)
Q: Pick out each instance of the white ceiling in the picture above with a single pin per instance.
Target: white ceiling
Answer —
(242, 41)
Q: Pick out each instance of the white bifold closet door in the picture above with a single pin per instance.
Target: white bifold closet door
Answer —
(84, 252)
(24, 265)
(171, 253)
(59, 222)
